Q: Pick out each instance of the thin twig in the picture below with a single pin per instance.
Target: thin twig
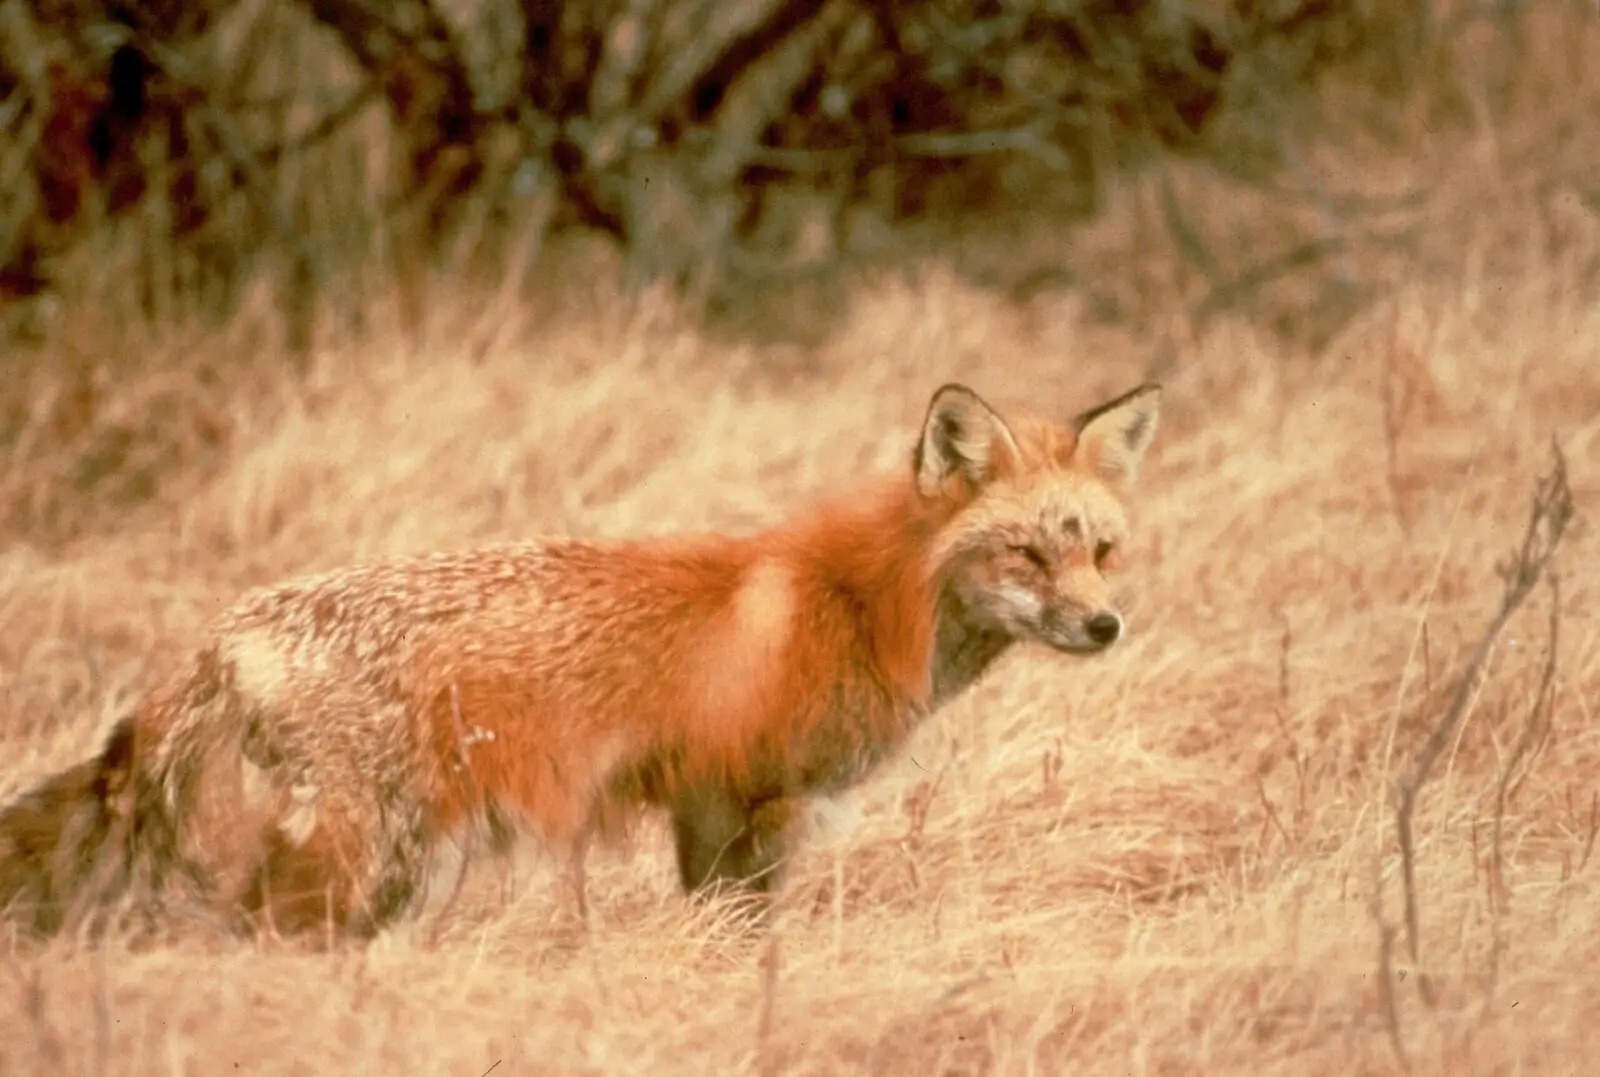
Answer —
(1388, 998)
(325, 128)
(1552, 510)
(1185, 236)
(1285, 645)
(1535, 736)
(243, 161)
(769, 996)
(1229, 294)
(1530, 742)
(102, 1009)
(1281, 713)
(1594, 831)
(1272, 816)
(50, 1040)
(1427, 663)
(1396, 402)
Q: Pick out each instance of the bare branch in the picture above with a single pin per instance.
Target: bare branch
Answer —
(1388, 998)
(627, 40)
(759, 94)
(1548, 518)
(1530, 743)
(185, 71)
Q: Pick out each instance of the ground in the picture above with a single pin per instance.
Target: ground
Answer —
(1179, 857)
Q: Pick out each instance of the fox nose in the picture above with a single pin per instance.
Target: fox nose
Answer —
(1104, 628)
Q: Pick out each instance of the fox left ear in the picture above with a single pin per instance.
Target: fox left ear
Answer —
(961, 437)
(1112, 438)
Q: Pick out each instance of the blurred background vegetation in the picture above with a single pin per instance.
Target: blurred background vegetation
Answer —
(165, 160)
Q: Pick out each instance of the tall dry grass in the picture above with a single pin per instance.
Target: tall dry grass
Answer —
(1178, 858)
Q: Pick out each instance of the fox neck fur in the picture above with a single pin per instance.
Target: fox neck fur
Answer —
(878, 554)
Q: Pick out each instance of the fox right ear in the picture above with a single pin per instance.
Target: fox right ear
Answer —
(962, 437)
(1112, 438)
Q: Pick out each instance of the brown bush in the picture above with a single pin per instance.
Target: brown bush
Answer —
(671, 126)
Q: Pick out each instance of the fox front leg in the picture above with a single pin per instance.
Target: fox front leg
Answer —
(729, 843)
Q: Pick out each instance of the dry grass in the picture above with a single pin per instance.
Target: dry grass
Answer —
(1163, 861)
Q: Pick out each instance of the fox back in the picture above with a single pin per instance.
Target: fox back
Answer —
(341, 742)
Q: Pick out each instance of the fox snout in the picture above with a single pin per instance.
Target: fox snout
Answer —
(1071, 610)
(1078, 633)
(1103, 628)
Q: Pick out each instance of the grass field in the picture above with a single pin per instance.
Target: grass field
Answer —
(1178, 858)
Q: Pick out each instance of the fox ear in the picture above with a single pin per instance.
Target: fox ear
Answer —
(961, 437)
(1112, 438)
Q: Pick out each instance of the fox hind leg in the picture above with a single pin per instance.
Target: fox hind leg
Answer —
(334, 881)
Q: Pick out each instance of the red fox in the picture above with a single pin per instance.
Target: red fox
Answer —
(337, 736)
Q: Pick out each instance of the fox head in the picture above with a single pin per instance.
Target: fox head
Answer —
(1036, 520)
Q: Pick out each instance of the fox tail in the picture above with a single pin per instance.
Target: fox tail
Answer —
(66, 845)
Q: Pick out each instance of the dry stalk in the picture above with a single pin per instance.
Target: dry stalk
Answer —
(580, 881)
(1185, 237)
(102, 1010)
(768, 1060)
(1393, 409)
(50, 1040)
(1297, 757)
(1427, 663)
(1551, 511)
(1592, 830)
(919, 801)
(361, 980)
(1285, 644)
(1404, 390)
(1272, 817)
(1229, 294)
(1388, 998)
(1530, 744)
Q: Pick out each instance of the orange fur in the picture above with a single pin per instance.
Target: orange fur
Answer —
(337, 732)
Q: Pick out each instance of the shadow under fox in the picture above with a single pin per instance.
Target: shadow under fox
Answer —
(340, 738)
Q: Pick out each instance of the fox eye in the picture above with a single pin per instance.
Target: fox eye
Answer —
(1033, 556)
(1103, 550)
